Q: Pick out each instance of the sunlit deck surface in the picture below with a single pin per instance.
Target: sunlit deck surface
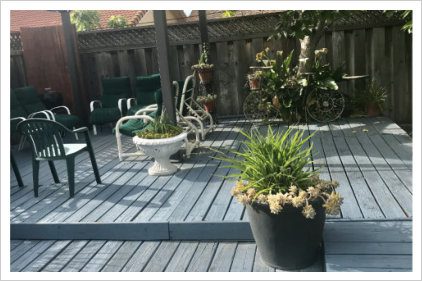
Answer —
(371, 158)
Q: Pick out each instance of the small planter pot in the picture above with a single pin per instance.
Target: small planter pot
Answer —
(254, 83)
(205, 75)
(209, 106)
(161, 150)
(373, 110)
(287, 240)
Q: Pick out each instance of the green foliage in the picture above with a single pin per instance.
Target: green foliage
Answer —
(301, 23)
(229, 13)
(118, 21)
(323, 77)
(203, 59)
(373, 94)
(405, 15)
(160, 128)
(273, 162)
(85, 19)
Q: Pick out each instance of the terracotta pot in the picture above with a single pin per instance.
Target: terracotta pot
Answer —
(205, 75)
(209, 106)
(254, 83)
(287, 240)
(373, 110)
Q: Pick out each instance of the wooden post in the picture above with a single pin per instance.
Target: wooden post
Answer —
(71, 60)
(203, 26)
(162, 43)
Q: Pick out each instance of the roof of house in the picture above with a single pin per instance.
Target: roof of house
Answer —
(38, 18)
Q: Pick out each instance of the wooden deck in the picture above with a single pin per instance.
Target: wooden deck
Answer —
(371, 158)
(171, 223)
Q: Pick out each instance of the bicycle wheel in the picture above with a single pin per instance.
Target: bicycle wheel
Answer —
(255, 107)
(325, 105)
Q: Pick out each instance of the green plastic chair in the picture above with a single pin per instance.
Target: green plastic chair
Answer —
(47, 144)
(30, 102)
(111, 105)
(145, 88)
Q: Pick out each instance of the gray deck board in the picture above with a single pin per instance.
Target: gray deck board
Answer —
(119, 259)
(182, 257)
(162, 256)
(139, 260)
(223, 257)
(62, 259)
(244, 257)
(368, 246)
(25, 259)
(102, 256)
(84, 256)
(38, 263)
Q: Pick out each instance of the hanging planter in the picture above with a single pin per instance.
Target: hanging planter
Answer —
(205, 73)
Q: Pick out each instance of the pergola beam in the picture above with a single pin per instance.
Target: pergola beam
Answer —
(203, 26)
(161, 38)
(69, 39)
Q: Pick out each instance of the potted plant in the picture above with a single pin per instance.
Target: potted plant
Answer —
(255, 80)
(160, 140)
(375, 97)
(286, 202)
(203, 68)
(208, 101)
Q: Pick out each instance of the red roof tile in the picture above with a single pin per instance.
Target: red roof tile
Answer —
(37, 18)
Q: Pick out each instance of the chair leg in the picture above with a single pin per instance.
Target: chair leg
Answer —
(70, 162)
(119, 144)
(94, 165)
(35, 171)
(21, 143)
(16, 171)
(76, 134)
(53, 171)
(94, 129)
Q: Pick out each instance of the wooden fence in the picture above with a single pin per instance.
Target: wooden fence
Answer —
(385, 53)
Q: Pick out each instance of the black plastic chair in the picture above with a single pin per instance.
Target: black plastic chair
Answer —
(47, 144)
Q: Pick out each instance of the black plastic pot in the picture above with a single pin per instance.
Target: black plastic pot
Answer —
(287, 240)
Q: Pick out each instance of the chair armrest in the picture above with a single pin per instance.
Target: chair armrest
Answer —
(148, 109)
(129, 102)
(47, 113)
(17, 118)
(80, 130)
(92, 104)
(61, 107)
(120, 103)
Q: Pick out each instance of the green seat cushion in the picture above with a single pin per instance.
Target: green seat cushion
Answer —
(29, 99)
(69, 121)
(114, 89)
(131, 126)
(16, 109)
(105, 115)
(145, 87)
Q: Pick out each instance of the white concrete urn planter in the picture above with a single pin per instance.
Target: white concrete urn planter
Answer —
(160, 150)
